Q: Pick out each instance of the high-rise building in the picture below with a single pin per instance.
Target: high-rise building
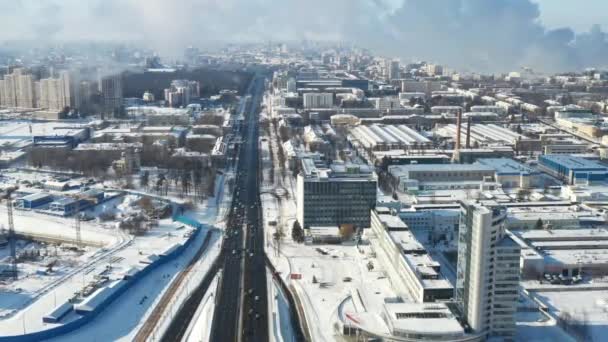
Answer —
(488, 270)
(112, 94)
(21, 89)
(335, 196)
(291, 85)
(84, 93)
(434, 69)
(55, 94)
(392, 69)
(9, 92)
(24, 90)
(182, 92)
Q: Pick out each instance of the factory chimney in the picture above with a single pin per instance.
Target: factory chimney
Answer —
(468, 143)
(458, 124)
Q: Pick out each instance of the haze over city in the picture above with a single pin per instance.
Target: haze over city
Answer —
(489, 35)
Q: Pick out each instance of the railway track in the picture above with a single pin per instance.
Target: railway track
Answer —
(151, 323)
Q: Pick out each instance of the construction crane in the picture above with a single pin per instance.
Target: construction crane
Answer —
(11, 231)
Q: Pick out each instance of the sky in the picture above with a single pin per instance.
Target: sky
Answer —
(481, 35)
(578, 14)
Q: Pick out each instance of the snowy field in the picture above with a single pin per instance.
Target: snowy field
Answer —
(38, 274)
(120, 252)
(587, 306)
(328, 280)
(113, 264)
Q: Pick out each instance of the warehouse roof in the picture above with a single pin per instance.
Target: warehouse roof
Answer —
(573, 162)
(506, 166)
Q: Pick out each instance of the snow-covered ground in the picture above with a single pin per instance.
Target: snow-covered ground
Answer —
(200, 327)
(44, 290)
(118, 261)
(35, 277)
(327, 280)
(589, 306)
(123, 318)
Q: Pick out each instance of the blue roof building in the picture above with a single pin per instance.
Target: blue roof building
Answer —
(512, 174)
(573, 170)
(33, 200)
(67, 206)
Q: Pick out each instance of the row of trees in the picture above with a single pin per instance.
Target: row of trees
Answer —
(198, 183)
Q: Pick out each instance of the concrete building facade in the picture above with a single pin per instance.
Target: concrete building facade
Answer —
(488, 270)
(335, 196)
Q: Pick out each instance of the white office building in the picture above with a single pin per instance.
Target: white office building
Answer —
(318, 100)
(291, 85)
(384, 103)
(488, 270)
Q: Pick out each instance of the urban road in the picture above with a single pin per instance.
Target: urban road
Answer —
(241, 302)
(241, 308)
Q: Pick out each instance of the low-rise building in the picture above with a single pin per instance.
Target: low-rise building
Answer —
(422, 322)
(573, 170)
(565, 252)
(33, 201)
(420, 176)
(512, 174)
(412, 271)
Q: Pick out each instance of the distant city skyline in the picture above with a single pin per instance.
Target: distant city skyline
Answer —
(501, 35)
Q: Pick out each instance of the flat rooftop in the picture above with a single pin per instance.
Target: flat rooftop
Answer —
(392, 222)
(562, 234)
(438, 167)
(431, 318)
(407, 241)
(506, 166)
(573, 162)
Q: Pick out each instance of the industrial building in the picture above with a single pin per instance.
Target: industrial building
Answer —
(492, 109)
(388, 137)
(512, 174)
(426, 176)
(565, 252)
(67, 206)
(483, 134)
(573, 170)
(33, 200)
(440, 217)
(487, 284)
(552, 215)
(318, 100)
(342, 194)
(453, 110)
(413, 272)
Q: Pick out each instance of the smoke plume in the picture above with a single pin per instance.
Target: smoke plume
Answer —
(482, 35)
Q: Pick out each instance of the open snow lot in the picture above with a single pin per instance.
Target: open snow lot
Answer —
(590, 307)
(328, 280)
(113, 264)
(40, 266)
(119, 254)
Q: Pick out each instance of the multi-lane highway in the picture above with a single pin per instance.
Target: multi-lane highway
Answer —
(241, 308)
